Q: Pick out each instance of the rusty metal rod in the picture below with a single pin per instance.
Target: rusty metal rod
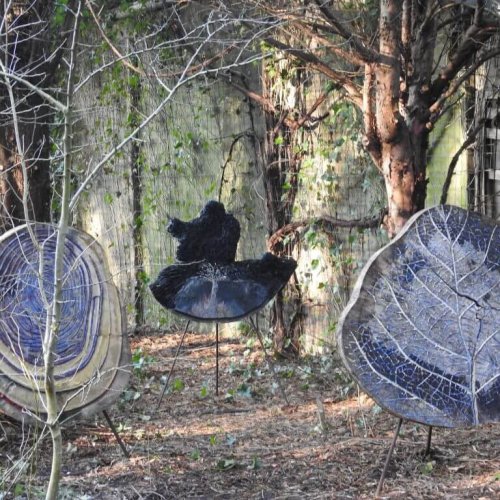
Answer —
(172, 367)
(387, 460)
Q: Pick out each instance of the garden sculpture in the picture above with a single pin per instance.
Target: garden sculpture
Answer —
(91, 357)
(421, 333)
(207, 284)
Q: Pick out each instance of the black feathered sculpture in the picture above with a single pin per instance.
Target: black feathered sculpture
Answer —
(212, 236)
(203, 291)
(207, 284)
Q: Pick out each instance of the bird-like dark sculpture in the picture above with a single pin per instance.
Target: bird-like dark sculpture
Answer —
(207, 284)
(205, 292)
(212, 236)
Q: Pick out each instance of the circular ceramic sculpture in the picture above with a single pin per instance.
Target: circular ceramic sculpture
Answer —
(91, 352)
(207, 284)
(421, 333)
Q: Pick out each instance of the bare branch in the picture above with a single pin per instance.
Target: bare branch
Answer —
(124, 60)
(307, 116)
(471, 137)
(326, 223)
(436, 108)
(44, 95)
(364, 53)
(147, 6)
(370, 139)
(184, 77)
(388, 74)
(474, 39)
(324, 43)
(352, 89)
(235, 141)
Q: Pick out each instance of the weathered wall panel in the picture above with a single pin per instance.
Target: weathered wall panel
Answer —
(210, 132)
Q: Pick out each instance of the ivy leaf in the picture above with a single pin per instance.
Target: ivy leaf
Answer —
(178, 385)
(226, 464)
(421, 333)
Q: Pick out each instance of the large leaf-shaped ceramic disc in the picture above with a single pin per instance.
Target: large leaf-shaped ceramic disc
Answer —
(421, 333)
(92, 349)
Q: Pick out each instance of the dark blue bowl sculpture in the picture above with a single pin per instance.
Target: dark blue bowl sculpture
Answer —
(421, 333)
(207, 284)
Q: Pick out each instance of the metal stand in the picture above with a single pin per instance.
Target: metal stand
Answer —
(216, 359)
(172, 367)
(255, 327)
(429, 439)
(115, 432)
(387, 460)
(270, 364)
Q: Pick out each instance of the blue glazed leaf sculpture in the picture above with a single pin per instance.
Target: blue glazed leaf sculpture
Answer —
(421, 333)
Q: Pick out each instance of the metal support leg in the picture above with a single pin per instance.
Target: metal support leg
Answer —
(387, 460)
(172, 367)
(115, 432)
(429, 440)
(216, 359)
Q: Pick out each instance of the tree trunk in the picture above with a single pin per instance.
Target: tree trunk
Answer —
(281, 166)
(398, 171)
(34, 131)
(136, 157)
(277, 163)
(31, 48)
(397, 160)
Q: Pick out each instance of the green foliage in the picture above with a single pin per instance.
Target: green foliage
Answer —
(141, 362)
(344, 130)
(143, 277)
(130, 396)
(108, 198)
(225, 464)
(59, 15)
(427, 467)
(245, 330)
(178, 385)
(255, 464)
(204, 391)
(243, 368)
(19, 490)
(286, 372)
(244, 390)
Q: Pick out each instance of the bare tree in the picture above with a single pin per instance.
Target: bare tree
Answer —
(30, 88)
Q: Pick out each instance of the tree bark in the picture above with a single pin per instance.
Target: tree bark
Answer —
(396, 152)
(34, 131)
(31, 49)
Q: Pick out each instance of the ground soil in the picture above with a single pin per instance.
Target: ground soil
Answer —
(330, 441)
